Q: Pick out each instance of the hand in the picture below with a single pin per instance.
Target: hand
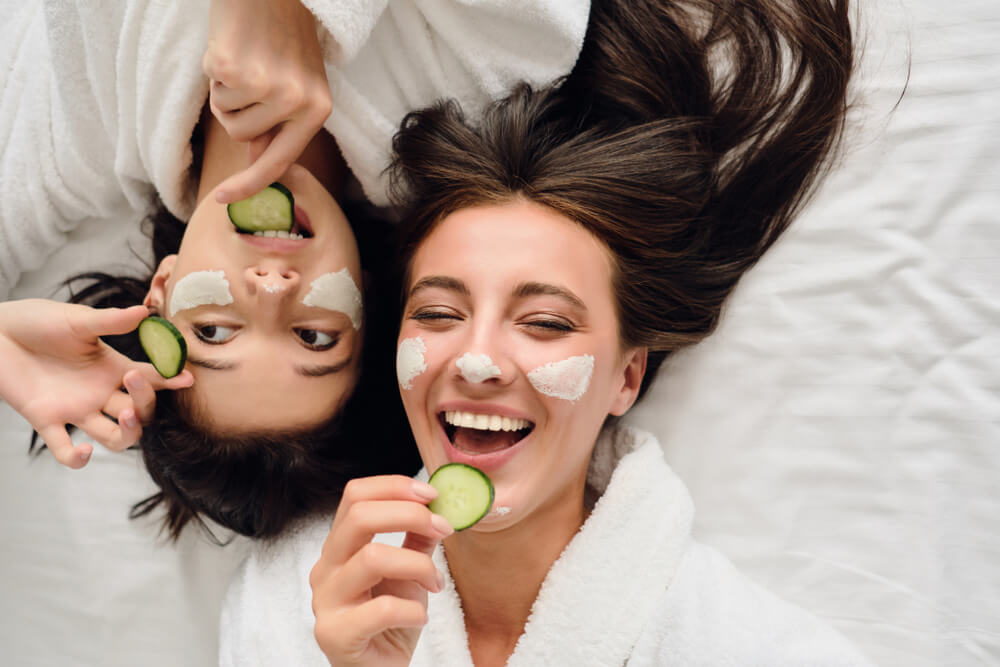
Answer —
(370, 599)
(268, 85)
(56, 371)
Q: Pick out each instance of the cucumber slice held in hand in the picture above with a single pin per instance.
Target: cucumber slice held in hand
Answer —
(465, 494)
(163, 344)
(271, 209)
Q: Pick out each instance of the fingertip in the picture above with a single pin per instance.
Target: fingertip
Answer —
(83, 453)
(222, 196)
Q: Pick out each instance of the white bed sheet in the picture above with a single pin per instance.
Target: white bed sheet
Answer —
(840, 432)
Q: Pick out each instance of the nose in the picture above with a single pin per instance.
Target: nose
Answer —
(271, 278)
(482, 360)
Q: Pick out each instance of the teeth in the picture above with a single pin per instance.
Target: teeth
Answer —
(485, 422)
(273, 234)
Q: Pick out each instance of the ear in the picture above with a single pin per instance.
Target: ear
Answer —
(631, 379)
(156, 297)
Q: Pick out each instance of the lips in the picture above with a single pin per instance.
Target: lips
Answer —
(272, 242)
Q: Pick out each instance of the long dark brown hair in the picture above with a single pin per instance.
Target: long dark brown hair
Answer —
(685, 139)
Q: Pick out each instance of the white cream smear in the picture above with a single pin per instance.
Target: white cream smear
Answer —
(272, 288)
(477, 368)
(337, 292)
(500, 510)
(410, 361)
(567, 379)
(200, 288)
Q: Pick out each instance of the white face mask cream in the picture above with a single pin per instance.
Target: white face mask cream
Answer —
(567, 379)
(337, 292)
(410, 361)
(200, 288)
(477, 368)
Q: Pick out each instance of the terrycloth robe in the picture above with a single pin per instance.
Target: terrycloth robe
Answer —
(98, 99)
(632, 588)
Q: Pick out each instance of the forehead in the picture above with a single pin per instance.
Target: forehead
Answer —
(512, 243)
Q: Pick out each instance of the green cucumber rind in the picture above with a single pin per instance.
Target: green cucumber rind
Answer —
(242, 216)
(437, 505)
(154, 331)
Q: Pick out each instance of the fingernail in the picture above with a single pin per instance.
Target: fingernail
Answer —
(85, 455)
(131, 421)
(132, 382)
(440, 581)
(441, 525)
(221, 196)
(424, 491)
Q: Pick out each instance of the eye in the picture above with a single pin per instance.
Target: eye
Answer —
(317, 340)
(549, 326)
(436, 316)
(214, 334)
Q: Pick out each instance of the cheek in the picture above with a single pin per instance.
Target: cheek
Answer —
(411, 361)
(567, 379)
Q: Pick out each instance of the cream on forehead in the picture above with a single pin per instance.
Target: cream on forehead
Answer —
(567, 379)
(336, 291)
(410, 361)
(477, 368)
(200, 288)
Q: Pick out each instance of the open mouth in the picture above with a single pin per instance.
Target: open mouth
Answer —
(475, 433)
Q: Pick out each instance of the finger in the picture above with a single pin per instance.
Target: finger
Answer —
(182, 380)
(224, 99)
(252, 121)
(257, 145)
(116, 403)
(281, 152)
(375, 562)
(348, 633)
(58, 441)
(103, 430)
(142, 394)
(364, 520)
(107, 321)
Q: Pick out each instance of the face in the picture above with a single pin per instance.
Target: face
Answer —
(272, 325)
(509, 357)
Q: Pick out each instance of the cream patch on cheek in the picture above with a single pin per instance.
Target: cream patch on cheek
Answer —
(410, 361)
(200, 288)
(477, 368)
(567, 379)
(337, 292)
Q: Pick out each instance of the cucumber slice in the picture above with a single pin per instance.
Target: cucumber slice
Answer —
(271, 209)
(465, 494)
(163, 344)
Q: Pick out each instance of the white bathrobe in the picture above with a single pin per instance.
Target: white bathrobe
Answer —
(98, 99)
(632, 588)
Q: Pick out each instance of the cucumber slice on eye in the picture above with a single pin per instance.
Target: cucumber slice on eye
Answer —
(271, 209)
(465, 494)
(163, 344)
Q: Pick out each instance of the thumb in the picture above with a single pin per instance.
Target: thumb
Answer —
(110, 321)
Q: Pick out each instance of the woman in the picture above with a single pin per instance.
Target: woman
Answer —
(566, 243)
(252, 444)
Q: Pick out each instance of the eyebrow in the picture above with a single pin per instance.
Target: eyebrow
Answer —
(528, 289)
(212, 363)
(440, 282)
(309, 371)
(321, 370)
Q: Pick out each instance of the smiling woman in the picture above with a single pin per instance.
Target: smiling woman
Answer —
(276, 330)
(556, 251)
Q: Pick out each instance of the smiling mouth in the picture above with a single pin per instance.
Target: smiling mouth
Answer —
(474, 433)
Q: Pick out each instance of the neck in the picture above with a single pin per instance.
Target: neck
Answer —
(498, 574)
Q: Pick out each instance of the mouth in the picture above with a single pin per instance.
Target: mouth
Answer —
(475, 433)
